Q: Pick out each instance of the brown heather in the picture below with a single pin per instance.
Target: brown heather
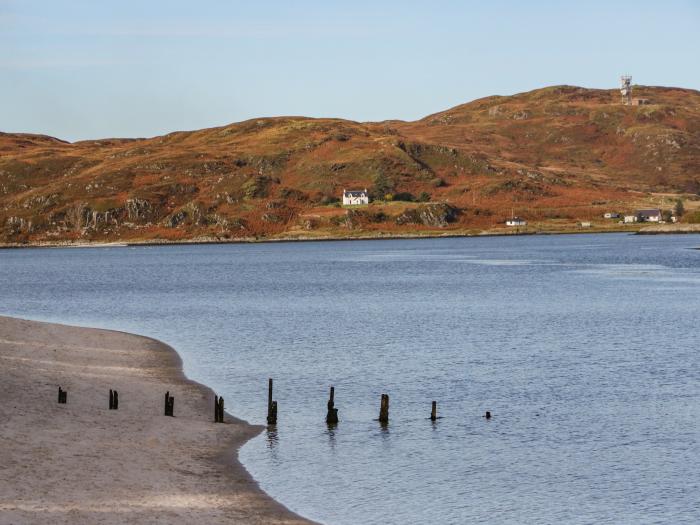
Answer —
(554, 156)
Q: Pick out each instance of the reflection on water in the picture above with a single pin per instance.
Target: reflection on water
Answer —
(583, 348)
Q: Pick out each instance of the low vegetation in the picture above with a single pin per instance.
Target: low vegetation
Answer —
(555, 156)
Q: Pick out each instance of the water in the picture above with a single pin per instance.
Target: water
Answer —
(585, 349)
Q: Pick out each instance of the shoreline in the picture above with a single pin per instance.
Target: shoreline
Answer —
(675, 229)
(294, 239)
(83, 463)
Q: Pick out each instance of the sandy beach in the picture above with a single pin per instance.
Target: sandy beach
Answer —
(83, 463)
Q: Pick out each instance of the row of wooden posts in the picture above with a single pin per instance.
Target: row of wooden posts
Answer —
(331, 415)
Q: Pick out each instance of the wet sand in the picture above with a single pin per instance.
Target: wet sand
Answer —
(83, 463)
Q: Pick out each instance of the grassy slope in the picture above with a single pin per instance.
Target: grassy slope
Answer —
(555, 156)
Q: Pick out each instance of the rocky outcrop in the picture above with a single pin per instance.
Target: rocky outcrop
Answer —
(437, 215)
(17, 225)
(139, 210)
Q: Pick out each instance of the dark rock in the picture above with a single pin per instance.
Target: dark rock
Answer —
(435, 215)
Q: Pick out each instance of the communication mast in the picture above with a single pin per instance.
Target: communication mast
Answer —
(626, 89)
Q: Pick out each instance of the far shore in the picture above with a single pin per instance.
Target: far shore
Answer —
(80, 462)
(652, 229)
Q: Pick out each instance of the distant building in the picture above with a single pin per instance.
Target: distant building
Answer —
(584, 224)
(640, 101)
(355, 197)
(653, 215)
(630, 219)
(611, 215)
(516, 221)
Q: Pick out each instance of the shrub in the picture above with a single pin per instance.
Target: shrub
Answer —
(679, 208)
(404, 196)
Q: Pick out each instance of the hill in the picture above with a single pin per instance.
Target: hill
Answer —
(554, 156)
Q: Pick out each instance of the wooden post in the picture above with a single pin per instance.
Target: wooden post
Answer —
(384, 409)
(332, 415)
(221, 409)
(169, 404)
(216, 408)
(271, 405)
(488, 415)
(269, 399)
(62, 396)
(433, 411)
(272, 419)
(115, 402)
(111, 399)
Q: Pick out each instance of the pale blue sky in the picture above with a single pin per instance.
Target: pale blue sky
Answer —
(81, 69)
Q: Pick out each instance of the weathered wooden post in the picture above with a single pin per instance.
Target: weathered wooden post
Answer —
(269, 398)
(169, 404)
(384, 409)
(216, 408)
(115, 402)
(272, 420)
(271, 405)
(433, 411)
(488, 415)
(62, 396)
(221, 409)
(332, 415)
(111, 399)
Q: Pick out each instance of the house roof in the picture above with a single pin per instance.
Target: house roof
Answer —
(649, 212)
(354, 193)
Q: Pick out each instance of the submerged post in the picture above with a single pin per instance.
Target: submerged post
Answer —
(433, 411)
(115, 401)
(332, 415)
(487, 415)
(384, 409)
(111, 399)
(271, 405)
(167, 402)
(272, 418)
(221, 409)
(62, 396)
(216, 409)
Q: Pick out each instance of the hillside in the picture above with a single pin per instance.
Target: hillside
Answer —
(554, 156)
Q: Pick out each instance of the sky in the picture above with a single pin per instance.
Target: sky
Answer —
(82, 69)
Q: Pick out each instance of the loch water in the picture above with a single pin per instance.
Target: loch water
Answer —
(585, 348)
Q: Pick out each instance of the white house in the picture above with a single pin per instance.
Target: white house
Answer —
(630, 219)
(516, 221)
(355, 197)
(653, 215)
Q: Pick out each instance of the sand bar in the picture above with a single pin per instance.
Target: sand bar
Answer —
(83, 463)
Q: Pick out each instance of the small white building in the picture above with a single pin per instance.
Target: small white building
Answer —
(611, 215)
(653, 215)
(584, 224)
(516, 221)
(355, 197)
(630, 219)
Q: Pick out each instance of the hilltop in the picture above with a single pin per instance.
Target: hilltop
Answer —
(554, 156)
